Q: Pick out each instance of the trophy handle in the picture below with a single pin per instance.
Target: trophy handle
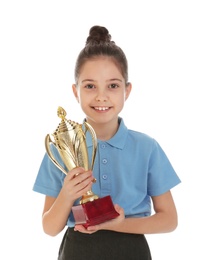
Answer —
(94, 141)
(48, 141)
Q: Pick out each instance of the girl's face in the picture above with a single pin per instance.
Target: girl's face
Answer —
(101, 91)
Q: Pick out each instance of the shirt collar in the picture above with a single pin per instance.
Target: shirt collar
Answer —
(118, 140)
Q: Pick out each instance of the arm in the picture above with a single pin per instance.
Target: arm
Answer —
(163, 220)
(56, 210)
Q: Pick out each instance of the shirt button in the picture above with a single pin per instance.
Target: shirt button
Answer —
(104, 161)
(103, 146)
(105, 177)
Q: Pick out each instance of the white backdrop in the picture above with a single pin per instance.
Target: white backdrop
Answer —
(39, 43)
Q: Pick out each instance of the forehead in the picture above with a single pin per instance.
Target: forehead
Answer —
(101, 63)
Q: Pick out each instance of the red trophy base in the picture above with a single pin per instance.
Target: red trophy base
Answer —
(94, 212)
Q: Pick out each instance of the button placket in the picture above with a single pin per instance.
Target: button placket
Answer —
(104, 161)
(104, 176)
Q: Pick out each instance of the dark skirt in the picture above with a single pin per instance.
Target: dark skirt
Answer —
(103, 245)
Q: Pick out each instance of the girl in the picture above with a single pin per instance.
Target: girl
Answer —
(130, 166)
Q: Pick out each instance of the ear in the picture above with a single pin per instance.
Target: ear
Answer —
(128, 90)
(74, 88)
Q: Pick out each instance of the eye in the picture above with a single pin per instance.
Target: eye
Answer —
(113, 86)
(89, 86)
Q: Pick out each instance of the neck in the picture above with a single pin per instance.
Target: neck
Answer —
(104, 131)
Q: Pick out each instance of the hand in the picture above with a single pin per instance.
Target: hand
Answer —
(108, 225)
(76, 183)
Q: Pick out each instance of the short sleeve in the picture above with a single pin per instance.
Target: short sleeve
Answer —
(49, 179)
(161, 175)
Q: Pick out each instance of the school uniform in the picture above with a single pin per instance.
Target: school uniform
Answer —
(130, 167)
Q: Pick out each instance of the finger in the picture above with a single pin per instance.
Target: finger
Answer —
(84, 177)
(118, 208)
(82, 229)
(75, 172)
(83, 187)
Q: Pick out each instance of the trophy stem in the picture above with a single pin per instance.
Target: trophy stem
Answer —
(89, 196)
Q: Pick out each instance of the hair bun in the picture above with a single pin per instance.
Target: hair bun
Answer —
(98, 34)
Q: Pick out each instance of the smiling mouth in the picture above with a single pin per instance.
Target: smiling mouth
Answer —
(101, 108)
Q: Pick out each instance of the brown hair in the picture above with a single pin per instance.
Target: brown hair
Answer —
(99, 43)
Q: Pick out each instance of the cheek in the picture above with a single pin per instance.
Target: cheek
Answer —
(122, 98)
(120, 102)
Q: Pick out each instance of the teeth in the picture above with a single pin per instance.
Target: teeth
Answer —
(101, 108)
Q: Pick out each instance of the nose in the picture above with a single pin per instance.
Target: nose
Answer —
(101, 96)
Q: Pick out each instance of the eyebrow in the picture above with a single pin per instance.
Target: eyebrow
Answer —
(91, 80)
(87, 80)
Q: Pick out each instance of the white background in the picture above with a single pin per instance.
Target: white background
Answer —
(39, 42)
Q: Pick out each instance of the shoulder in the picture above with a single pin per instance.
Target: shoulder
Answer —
(140, 137)
(130, 137)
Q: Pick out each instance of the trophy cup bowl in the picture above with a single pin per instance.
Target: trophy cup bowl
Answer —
(69, 139)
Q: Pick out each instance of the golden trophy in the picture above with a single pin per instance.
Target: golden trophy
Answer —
(69, 138)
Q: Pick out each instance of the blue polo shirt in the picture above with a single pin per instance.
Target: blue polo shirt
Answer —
(130, 167)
